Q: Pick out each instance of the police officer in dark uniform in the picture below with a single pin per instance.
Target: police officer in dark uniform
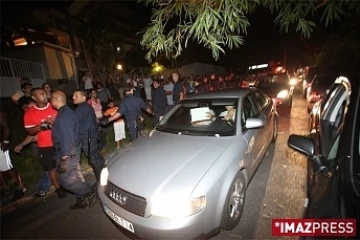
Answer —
(66, 140)
(130, 108)
(88, 126)
(159, 101)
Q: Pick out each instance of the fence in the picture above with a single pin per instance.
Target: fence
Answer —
(12, 70)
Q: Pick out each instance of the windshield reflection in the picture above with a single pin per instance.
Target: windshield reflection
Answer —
(205, 117)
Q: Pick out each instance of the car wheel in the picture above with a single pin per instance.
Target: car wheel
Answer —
(235, 202)
(275, 132)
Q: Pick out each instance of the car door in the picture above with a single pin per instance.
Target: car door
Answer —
(323, 186)
(253, 136)
(267, 110)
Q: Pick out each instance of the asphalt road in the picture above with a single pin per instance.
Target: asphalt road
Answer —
(276, 191)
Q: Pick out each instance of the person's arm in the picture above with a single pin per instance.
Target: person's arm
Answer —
(29, 139)
(66, 136)
(5, 131)
(181, 96)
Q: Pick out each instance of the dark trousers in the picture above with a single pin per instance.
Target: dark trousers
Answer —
(96, 160)
(73, 180)
(102, 133)
(133, 130)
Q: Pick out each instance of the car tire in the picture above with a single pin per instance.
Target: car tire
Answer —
(235, 202)
(276, 131)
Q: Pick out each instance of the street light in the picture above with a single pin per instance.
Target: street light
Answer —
(119, 67)
(157, 69)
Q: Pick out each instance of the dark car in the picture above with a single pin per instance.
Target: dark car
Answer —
(333, 150)
(318, 88)
(308, 78)
(278, 88)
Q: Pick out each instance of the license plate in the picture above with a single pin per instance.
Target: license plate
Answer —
(122, 222)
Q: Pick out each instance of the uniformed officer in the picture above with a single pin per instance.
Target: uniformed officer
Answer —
(66, 140)
(88, 125)
(130, 108)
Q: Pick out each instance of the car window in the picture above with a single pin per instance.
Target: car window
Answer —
(333, 149)
(261, 99)
(206, 117)
(249, 109)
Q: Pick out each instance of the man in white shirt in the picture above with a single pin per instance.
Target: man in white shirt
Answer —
(147, 86)
(88, 81)
(169, 87)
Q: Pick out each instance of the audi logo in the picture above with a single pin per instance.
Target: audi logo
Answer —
(121, 198)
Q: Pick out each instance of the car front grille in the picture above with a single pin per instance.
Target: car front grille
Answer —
(126, 200)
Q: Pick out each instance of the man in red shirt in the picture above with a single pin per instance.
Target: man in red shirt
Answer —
(37, 121)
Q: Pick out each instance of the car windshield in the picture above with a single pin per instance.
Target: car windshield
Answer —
(202, 117)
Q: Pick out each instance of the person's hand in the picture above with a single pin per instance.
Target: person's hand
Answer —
(210, 115)
(45, 126)
(5, 145)
(103, 121)
(63, 164)
(18, 148)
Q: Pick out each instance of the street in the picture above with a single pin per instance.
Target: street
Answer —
(276, 191)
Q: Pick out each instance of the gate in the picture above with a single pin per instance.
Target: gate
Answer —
(12, 70)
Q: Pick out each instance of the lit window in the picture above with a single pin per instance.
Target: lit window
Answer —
(20, 42)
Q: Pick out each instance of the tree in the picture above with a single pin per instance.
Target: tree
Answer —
(220, 24)
(104, 41)
(343, 44)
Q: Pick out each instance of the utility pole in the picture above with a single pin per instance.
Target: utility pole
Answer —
(284, 59)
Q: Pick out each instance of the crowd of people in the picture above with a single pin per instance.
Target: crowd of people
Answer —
(59, 134)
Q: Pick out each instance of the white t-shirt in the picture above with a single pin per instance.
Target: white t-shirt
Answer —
(147, 82)
(88, 82)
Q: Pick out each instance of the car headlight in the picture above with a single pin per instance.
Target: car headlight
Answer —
(283, 94)
(293, 81)
(104, 176)
(172, 207)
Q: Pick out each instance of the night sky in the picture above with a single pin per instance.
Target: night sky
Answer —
(263, 43)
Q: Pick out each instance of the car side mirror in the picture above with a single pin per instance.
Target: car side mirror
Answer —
(252, 123)
(302, 144)
(306, 146)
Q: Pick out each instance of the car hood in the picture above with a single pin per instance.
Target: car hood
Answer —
(165, 163)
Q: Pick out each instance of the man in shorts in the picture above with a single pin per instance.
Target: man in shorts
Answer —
(37, 121)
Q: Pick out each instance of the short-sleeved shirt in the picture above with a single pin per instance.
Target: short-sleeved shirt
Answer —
(131, 107)
(169, 88)
(178, 88)
(35, 116)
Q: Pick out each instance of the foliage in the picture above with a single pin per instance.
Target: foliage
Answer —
(220, 24)
(342, 47)
(103, 40)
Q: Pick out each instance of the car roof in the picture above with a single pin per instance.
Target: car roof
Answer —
(225, 93)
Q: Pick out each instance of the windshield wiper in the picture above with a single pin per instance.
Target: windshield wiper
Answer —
(191, 133)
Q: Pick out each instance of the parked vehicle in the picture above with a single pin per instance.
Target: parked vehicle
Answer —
(333, 150)
(277, 88)
(309, 76)
(318, 88)
(188, 178)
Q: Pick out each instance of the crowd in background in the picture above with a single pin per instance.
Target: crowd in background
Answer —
(105, 97)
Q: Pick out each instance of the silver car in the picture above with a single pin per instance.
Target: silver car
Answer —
(188, 177)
